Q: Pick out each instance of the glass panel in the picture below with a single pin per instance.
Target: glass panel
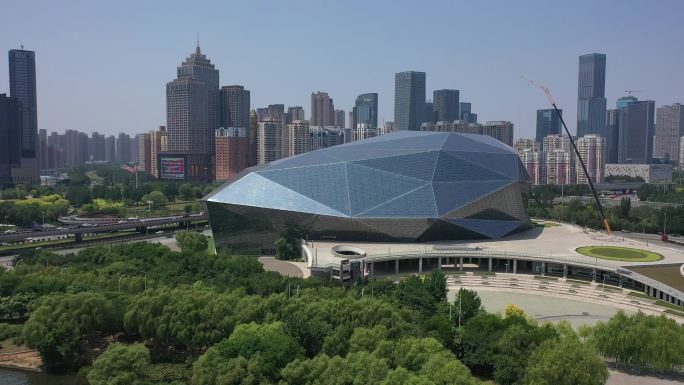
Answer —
(419, 165)
(369, 188)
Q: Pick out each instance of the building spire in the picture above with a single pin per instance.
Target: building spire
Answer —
(197, 49)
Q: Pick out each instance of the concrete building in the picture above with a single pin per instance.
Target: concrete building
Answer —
(295, 113)
(501, 130)
(253, 137)
(322, 109)
(592, 149)
(159, 143)
(144, 143)
(192, 116)
(363, 131)
(446, 105)
(636, 133)
(10, 137)
(650, 173)
(297, 138)
(22, 79)
(110, 149)
(409, 100)
(366, 110)
(681, 153)
(232, 151)
(668, 129)
(234, 106)
(548, 123)
(387, 128)
(523, 144)
(535, 164)
(613, 118)
(339, 119)
(466, 114)
(321, 137)
(96, 148)
(269, 141)
(560, 160)
(591, 98)
(43, 154)
(123, 148)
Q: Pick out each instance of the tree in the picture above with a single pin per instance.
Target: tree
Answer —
(192, 241)
(121, 365)
(514, 347)
(287, 246)
(436, 285)
(565, 362)
(467, 304)
(185, 191)
(625, 205)
(513, 310)
(267, 343)
(158, 198)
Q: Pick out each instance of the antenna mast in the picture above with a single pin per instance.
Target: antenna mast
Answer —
(606, 225)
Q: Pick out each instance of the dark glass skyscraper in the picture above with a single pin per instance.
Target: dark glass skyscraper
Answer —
(591, 100)
(366, 110)
(548, 123)
(446, 106)
(10, 137)
(636, 133)
(409, 100)
(234, 107)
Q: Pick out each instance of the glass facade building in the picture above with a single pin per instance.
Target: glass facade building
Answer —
(409, 100)
(548, 123)
(591, 98)
(366, 110)
(400, 187)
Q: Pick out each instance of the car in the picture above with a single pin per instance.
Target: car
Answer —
(10, 232)
(121, 221)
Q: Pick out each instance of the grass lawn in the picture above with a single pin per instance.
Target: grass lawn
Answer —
(615, 253)
(9, 346)
(640, 295)
(544, 278)
(669, 305)
(677, 313)
(211, 246)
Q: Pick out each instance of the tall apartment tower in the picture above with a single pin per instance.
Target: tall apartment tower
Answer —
(269, 141)
(366, 110)
(409, 100)
(548, 123)
(446, 105)
(295, 113)
(560, 160)
(234, 106)
(43, 155)
(10, 137)
(339, 119)
(192, 114)
(22, 77)
(592, 149)
(322, 110)
(144, 144)
(636, 133)
(591, 98)
(110, 149)
(501, 130)
(297, 139)
(534, 162)
(232, 153)
(97, 147)
(123, 148)
(613, 117)
(159, 143)
(252, 138)
(669, 128)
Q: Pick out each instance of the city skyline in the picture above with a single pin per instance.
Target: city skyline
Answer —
(496, 91)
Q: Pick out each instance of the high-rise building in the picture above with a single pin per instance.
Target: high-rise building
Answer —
(232, 151)
(387, 128)
(613, 133)
(96, 148)
(192, 116)
(321, 137)
(159, 143)
(338, 121)
(534, 162)
(144, 150)
(366, 110)
(363, 131)
(624, 101)
(681, 152)
(465, 113)
(352, 119)
(524, 144)
(110, 149)
(409, 100)
(322, 110)
(591, 98)
(295, 113)
(446, 105)
(668, 129)
(501, 130)
(252, 138)
(636, 133)
(559, 168)
(269, 141)
(548, 123)
(234, 106)
(10, 137)
(297, 138)
(592, 149)
(22, 77)
(429, 114)
(123, 148)
(43, 149)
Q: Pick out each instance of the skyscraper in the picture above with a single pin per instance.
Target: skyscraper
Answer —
(501, 130)
(613, 118)
(158, 144)
(234, 106)
(123, 148)
(429, 114)
(269, 141)
(548, 123)
(297, 138)
(669, 128)
(10, 137)
(322, 109)
(446, 105)
(97, 146)
(192, 116)
(295, 113)
(144, 150)
(339, 119)
(465, 113)
(636, 133)
(366, 110)
(409, 100)
(592, 148)
(591, 100)
(22, 77)
(110, 149)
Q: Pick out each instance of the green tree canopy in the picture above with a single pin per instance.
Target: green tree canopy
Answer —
(192, 241)
(121, 365)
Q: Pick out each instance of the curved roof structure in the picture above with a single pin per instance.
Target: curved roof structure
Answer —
(406, 185)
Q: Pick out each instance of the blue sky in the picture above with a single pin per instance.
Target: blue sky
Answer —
(103, 65)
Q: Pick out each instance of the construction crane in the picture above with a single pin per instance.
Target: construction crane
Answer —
(629, 92)
(606, 225)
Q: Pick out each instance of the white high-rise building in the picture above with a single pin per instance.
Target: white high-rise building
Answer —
(535, 162)
(269, 141)
(592, 149)
(297, 138)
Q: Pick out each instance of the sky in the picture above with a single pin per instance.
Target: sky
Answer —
(103, 65)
